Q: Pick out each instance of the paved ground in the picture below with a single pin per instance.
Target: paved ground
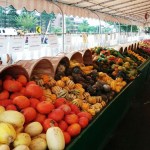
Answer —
(133, 133)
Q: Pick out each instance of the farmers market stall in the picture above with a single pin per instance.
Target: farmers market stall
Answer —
(74, 100)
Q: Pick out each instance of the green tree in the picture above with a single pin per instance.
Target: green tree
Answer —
(11, 15)
(26, 20)
(56, 29)
(47, 19)
(83, 27)
(69, 24)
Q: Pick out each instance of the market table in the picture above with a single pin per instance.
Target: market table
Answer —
(99, 131)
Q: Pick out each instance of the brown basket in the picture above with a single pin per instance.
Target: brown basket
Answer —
(37, 66)
(121, 50)
(135, 47)
(56, 61)
(77, 56)
(13, 70)
(129, 47)
(125, 50)
(87, 57)
(132, 47)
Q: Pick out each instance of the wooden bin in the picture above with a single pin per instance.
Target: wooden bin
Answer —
(132, 47)
(77, 56)
(129, 47)
(125, 50)
(135, 48)
(121, 50)
(87, 57)
(56, 61)
(13, 70)
(37, 66)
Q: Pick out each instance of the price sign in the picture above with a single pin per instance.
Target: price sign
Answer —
(53, 41)
(34, 42)
(3, 44)
(16, 44)
(68, 39)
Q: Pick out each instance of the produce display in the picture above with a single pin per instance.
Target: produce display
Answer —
(116, 64)
(48, 113)
(145, 46)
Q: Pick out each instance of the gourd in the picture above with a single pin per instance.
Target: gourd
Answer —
(7, 133)
(22, 139)
(21, 147)
(60, 83)
(4, 147)
(55, 138)
(13, 117)
(33, 128)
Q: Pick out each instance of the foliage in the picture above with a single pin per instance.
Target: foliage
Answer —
(46, 19)
(83, 27)
(26, 20)
(56, 29)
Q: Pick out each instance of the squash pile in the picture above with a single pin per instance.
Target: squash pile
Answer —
(33, 119)
(73, 92)
(116, 64)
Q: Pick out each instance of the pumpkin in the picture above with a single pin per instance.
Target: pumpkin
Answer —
(62, 93)
(98, 99)
(77, 102)
(78, 85)
(45, 78)
(56, 89)
(60, 83)
(51, 83)
(70, 84)
(70, 96)
(34, 90)
(85, 106)
(64, 79)
(91, 100)
(53, 97)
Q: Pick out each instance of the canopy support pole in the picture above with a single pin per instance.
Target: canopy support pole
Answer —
(63, 25)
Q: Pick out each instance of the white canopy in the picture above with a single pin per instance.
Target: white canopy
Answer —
(123, 11)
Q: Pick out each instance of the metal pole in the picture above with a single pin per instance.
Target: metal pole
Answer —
(100, 31)
(131, 33)
(119, 32)
(62, 24)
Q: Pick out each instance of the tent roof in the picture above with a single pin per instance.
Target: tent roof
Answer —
(123, 11)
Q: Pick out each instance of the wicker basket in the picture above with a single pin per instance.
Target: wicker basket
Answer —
(87, 57)
(13, 70)
(38, 66)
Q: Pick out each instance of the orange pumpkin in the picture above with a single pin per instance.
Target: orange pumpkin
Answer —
(34, 91)
(12, 85)
(4, 95)
(60, 83)
(22, 79)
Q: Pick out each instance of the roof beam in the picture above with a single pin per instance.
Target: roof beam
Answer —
(127, 6)
(129, 1)
(101, 3)
(138, 10)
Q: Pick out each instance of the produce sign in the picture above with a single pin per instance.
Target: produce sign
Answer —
(53, 41)
(3, 44)
(34, 42)
(16, 43)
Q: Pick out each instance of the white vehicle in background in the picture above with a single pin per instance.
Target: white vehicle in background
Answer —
(8, 31)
